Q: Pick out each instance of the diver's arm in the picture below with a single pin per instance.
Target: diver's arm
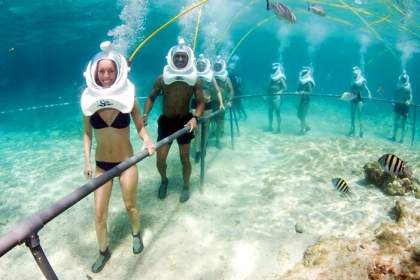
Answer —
(284, 85)
(87, 143)
(199, 97)
(157, 88)
(141, 130)
(410, 98)
(368, 91)
(219, 94)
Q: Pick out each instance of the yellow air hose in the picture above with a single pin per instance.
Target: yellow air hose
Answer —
(163, 26)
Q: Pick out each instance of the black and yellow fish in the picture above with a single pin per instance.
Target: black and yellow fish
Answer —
(394, 165)
(341, 185)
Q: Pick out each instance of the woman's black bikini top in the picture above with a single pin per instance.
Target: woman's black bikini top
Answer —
(121, 121)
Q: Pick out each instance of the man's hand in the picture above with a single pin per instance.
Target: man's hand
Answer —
(192, 123)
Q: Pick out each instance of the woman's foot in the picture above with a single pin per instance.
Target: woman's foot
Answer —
(101, 261)
(137, 243)
(351, 133)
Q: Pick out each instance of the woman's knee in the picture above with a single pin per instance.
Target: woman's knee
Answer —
(131, 209)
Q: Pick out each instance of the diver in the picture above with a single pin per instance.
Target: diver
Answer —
(306, 86)
(236, 80)
(211, 92)
(358, 84)
(222, 77)
(276, 88)
(107, 104)
(403, 97)
(177, 85)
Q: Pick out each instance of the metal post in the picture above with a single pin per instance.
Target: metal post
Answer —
(34, 245)
(203, 147)
(236, 121)
(231, 127)
(413, 133)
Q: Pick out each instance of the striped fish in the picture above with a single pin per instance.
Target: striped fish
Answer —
(341, 185)
(394, 165)
(281, 11)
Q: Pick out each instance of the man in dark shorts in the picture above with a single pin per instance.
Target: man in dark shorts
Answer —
(402, 97)
(177, 86)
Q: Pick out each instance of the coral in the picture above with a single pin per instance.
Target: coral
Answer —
(392, 253)
(390, 184)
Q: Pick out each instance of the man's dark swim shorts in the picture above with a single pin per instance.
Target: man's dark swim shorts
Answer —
(167, 126)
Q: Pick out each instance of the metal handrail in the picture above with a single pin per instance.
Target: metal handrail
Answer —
(27, 231)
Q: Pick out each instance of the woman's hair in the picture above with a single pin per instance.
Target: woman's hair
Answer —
(97, 81)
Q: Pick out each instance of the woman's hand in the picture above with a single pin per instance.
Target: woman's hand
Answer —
(88, 171)
(149, 146)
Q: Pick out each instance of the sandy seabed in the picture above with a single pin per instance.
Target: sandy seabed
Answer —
(239, 225)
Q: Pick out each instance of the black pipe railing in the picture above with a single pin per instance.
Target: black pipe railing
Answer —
(27, 231)
(203, 143)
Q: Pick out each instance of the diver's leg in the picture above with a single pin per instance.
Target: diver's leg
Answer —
(307, 128)
(301, 117)
(396, 124)
(129, 182)
(102, 196)
(270, 115)
(403, 123)
(186, 170)
(278, 119)
(161, 155)
(359, 116)
(352, 113)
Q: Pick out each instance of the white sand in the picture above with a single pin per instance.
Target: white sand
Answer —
(239, 225)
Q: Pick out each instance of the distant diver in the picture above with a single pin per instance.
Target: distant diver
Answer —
(403, 97)
(358, 84)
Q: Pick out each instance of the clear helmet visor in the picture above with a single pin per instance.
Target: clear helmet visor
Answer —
(218, 66)
(201, 65)
(180, 59)
(104, 67)
(106, 72)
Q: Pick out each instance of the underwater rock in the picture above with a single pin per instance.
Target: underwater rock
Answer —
(299, 228)
(404, 214)
(390, 184)
(392, 253)
(417, 193)
(373, 173)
